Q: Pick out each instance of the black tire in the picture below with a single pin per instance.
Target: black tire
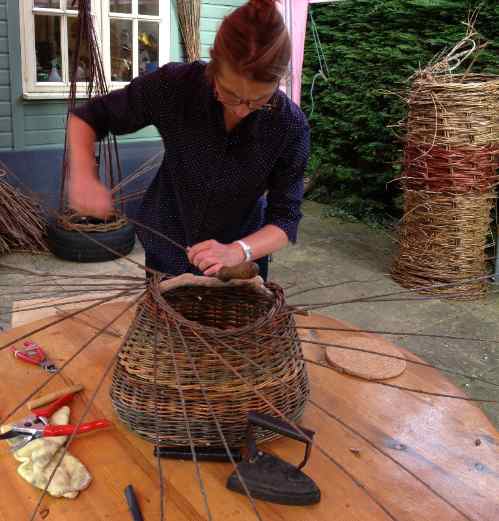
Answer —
(74, 246)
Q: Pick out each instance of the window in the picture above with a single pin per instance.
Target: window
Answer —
(134, 35)
(134, 38)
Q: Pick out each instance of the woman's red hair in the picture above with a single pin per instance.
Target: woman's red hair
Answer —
(254, 41)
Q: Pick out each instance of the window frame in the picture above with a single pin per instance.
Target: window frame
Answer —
(33, 89)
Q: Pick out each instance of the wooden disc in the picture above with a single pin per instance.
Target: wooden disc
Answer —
(365, 365)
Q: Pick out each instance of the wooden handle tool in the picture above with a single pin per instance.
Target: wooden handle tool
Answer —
(246, 270)
(43, 400)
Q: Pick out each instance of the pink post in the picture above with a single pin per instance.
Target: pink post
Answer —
(298, 30)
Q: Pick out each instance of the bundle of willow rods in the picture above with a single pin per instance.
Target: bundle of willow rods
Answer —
(22, 227)
(96, 86)
(449, 179)
(189, 16)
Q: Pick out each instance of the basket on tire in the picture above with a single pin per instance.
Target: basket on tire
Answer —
(203, 353)
(83, 239)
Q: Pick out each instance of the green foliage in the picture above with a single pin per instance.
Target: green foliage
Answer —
(372, 47)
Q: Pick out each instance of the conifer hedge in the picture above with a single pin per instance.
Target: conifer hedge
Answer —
(372, 47)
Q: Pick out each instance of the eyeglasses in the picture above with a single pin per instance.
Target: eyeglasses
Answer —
(233, 101)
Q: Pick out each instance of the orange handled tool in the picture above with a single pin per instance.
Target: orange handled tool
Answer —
(46, 412)
(49, 398)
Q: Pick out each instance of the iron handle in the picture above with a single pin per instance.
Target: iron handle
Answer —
(279, 426)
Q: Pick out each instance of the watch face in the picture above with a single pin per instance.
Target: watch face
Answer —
(246, 249)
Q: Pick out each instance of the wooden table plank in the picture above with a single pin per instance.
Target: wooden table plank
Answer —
(434, 437)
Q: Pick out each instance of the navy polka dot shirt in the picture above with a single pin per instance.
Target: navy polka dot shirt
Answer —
(212, 184)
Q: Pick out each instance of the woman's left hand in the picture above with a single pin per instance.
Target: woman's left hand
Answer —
(211, 256)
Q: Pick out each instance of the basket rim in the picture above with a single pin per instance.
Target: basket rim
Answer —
(452, 80)
(69, 221)
(278, 305)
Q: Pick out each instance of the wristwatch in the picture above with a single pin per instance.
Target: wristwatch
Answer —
(248, 252)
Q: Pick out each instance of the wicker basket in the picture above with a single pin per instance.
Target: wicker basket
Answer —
(219, 344)
(454, 110)
(449, 180)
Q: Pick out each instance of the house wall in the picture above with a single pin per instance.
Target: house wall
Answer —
(212, 13)
(5, 94)
(37, 124)
(32, 131)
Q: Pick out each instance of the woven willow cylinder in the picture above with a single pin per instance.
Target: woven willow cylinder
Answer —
(449, 179)
(199, 353)
(455, 170)
(442, 243)
(454, 111)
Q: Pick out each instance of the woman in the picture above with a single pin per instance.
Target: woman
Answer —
(236, 147)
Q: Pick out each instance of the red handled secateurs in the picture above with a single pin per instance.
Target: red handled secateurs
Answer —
(32, 353)
(37, 426)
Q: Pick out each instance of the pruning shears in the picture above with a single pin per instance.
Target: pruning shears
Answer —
(32, 353)
(37, 425)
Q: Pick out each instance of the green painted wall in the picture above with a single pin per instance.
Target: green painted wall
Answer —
(5, 94)
(28, 124)
(212, 13)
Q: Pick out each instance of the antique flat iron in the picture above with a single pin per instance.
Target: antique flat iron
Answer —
(270, 478)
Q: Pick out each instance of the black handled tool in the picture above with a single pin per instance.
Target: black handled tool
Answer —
(133, 504)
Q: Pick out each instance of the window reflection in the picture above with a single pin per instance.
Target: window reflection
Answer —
(120, 6)
(83, 62)
(150, 7)
(121, 50)
(48, 4)
(48, 48)
(148, 47)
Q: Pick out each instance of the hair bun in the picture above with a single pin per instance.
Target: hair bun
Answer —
(262, 4)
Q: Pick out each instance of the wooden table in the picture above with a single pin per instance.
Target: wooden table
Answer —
(448, 444)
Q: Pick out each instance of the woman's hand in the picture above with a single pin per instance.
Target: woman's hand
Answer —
(89, 197)
(211, 256)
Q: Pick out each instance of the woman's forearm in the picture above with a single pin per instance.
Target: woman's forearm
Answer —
(86, 194)
(265, 241)
(82, 139)
(210, 256)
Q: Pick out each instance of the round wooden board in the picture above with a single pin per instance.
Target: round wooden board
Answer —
(365, 365)
(381, 454)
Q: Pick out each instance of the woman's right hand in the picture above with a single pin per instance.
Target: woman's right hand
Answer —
(88, 196)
